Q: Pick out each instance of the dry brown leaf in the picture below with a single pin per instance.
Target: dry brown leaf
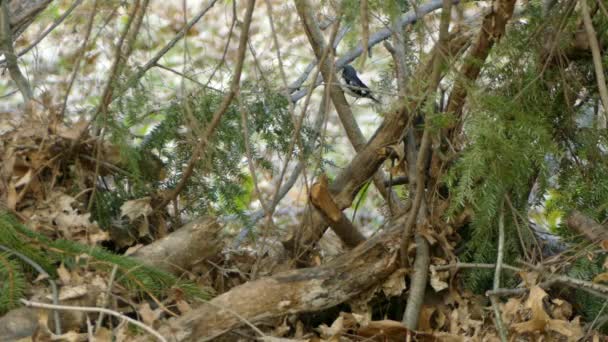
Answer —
(64, 274)
(71, 292)
(133, 249)
(336, 329)
(25, 179)
(103, 335)
(395, 284)
(136, 208)
(572, 330)
(424, 322)
(510, 310)
(11, 197)
(437, 281)
(561, 309)
(183, 306)
(539, 315)
(601, 278)
(72, 132)
(148, 316)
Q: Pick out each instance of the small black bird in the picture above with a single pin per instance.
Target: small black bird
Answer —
(354, 86)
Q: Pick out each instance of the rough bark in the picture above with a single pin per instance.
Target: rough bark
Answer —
(290, 292)
(180, 250)
(23, 13)
(586, 226)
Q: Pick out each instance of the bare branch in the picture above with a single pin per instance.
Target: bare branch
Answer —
(79, 57)
(152, 62)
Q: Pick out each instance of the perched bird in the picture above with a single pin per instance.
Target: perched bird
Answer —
(354, 86)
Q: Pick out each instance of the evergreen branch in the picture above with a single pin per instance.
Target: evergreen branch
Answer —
(12, 284)
(200, 149)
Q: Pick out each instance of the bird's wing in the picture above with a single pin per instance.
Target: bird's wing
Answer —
(356, 82)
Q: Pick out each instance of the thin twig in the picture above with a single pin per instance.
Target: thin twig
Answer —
(43, 273)
(120, 59)
(79, 57)
(327, 68)
(297, 121)
(108, 292)
(596, 54)
(587, 286)
(223, 57)
(189, 78)
(497, 273)
(249, 155)
(6, 46)
(148, 329)
(152, 62)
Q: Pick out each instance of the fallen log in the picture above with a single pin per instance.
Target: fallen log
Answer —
(180, 250)
(291, 292)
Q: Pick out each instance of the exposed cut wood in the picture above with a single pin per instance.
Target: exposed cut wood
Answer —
(321, 199)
